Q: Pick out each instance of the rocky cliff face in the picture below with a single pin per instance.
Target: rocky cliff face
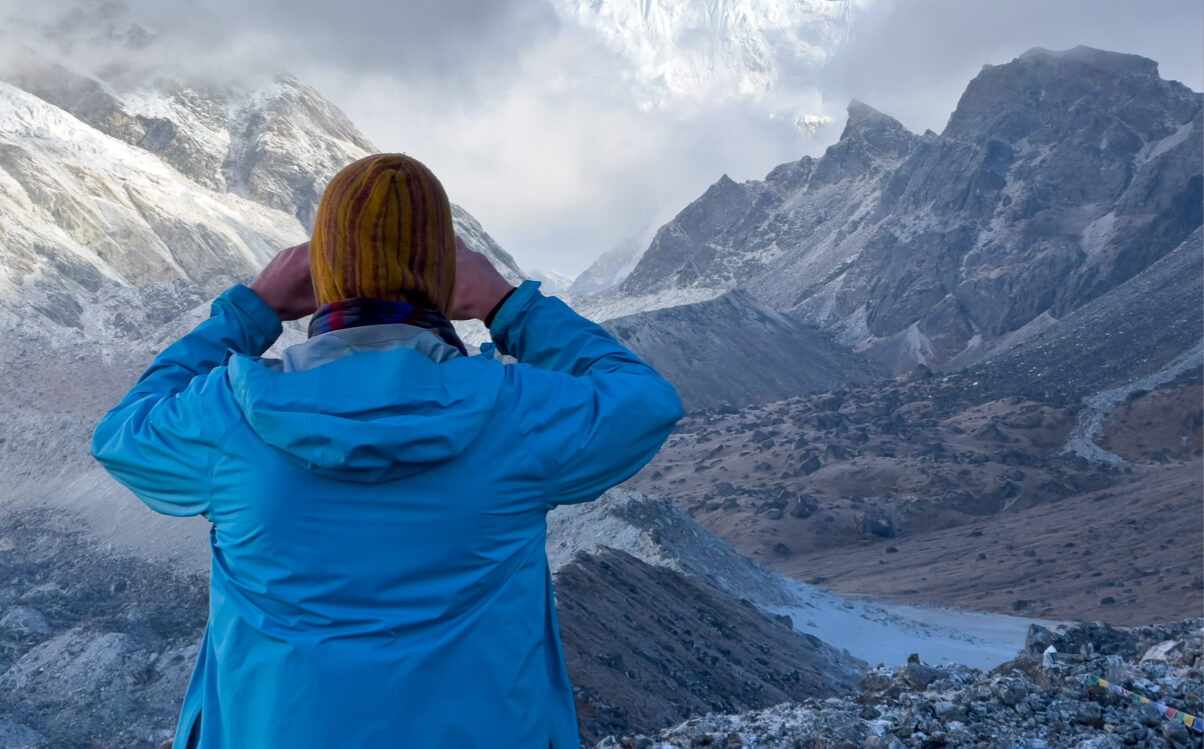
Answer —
(1059, 176)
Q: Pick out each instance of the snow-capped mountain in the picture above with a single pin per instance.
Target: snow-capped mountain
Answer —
(720, 49)
(107, 179)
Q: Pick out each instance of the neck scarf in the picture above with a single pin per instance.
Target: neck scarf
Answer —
(355, 313)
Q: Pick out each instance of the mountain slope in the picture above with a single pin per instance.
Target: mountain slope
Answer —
(647, 647)
(733, 351)
(160, 181)
(659, 535)
(1060, 175)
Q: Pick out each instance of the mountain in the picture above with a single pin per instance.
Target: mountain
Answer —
(551, 282)
(733, 351)
(157, 181)
(720, 49)
(127, 201)
(610, 268)
(1058, 176)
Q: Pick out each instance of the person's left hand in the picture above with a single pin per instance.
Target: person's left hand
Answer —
(479, 286)
(285, 284)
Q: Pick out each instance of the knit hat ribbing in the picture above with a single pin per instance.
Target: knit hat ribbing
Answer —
(384, 231)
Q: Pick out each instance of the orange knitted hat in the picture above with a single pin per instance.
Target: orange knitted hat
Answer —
(384, 231)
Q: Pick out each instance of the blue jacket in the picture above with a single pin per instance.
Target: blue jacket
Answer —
(378, 506)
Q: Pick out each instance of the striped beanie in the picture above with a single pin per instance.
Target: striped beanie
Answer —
(384, 231)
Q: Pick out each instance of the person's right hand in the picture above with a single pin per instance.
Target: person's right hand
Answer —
(285, 284)
(479, 287)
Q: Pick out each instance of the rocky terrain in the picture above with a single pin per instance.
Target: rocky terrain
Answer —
(1040, 699)
(1072, 441)
(660, 620)
(646, 646)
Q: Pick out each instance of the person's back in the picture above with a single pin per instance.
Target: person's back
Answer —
(378, 497)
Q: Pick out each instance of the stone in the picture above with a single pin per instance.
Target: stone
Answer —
(943, 709)
(1176, 733)
(919, 675)
(876, 681)
(1011, 692)
(804, 506)
(1149, 716)
(1090, 714)
(24, 621)
(1167, 651)
(878, 525)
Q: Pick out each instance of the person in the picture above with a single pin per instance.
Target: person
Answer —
(378, 496)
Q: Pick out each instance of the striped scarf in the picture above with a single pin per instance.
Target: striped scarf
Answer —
(356, 313)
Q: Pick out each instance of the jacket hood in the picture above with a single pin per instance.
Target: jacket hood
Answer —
(372, 417)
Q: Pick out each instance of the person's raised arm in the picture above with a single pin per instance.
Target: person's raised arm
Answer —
(160, 440)
(591, 411)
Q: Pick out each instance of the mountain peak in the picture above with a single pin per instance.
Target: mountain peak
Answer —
(863, 117)
(1040, 85)
(1118, 63)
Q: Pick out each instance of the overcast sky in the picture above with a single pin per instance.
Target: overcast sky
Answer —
(543, 132)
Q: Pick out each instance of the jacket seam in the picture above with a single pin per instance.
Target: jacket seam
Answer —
(216, 453)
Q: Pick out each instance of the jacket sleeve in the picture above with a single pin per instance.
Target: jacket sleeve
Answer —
(593, 413)
(161, 439)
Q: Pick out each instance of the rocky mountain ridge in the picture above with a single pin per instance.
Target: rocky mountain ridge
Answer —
(1059, 176)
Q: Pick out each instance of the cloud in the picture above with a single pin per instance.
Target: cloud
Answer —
(450, 43)
(562, 161)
